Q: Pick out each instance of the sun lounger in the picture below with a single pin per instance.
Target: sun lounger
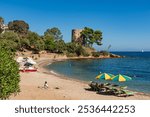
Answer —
(125, 93)
(107, 84)
(110, 89)
(114, 85)
(94, 86)
(123, 87)
(107, 90)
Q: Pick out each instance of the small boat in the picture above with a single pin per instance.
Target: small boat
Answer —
(29, 69)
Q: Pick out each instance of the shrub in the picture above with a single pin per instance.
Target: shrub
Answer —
(49, 43)
(71, 47)
(60, 46)
(9, 44)
(79, 50)
(96, 54)
(9, 74)
(86, 54)
(71, 54)
(104, 53)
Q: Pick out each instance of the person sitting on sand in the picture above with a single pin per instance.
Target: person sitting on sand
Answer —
(45, 85)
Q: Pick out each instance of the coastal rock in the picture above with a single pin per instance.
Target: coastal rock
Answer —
(115, 56)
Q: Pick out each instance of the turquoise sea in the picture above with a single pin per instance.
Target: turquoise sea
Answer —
(135, 65)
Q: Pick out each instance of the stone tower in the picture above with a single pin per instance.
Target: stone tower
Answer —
(76, 36)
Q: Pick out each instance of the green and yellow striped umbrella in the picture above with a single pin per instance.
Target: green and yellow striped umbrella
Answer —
(121, 78)
(104, 76)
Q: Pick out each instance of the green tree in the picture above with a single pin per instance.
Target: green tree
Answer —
(60, 46)
(49, 43)
(10, 36)
(24, 43)
(79, 50)
(71, 47)
(9, 74)
(98, 37)
(32, 37)
(36, 42)
(89, 37)
(19, 26)
(10, 40)
(53, 40)
(54, 32)
(9, 44)
(39, 45)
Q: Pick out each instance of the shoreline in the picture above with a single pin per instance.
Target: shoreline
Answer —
(45, 63)
(61, 76)
(60, 87)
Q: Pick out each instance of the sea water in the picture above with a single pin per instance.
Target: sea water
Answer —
(135, 65)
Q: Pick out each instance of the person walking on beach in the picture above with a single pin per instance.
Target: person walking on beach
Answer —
(45, 85)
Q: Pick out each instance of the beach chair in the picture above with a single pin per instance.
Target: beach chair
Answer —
(106, 90)
(115, 90)
(123, 87)
(107, 84)
(94, 86)
(125, 93)
(114, 85)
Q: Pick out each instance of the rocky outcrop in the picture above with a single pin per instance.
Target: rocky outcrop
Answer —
(115, 56)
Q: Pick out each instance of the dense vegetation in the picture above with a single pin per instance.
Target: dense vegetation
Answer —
(19, 37)
(9, 74)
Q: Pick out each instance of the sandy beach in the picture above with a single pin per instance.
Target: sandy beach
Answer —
(60, 87)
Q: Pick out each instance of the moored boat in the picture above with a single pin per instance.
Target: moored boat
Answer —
(29, 69)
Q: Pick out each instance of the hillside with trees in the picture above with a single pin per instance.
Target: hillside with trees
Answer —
(18, 37)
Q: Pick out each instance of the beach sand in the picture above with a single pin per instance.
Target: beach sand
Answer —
(60, 87)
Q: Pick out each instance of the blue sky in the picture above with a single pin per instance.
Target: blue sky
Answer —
(125, 23)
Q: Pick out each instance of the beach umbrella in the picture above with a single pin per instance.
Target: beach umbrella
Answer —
(121, 78)
(104, 76)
